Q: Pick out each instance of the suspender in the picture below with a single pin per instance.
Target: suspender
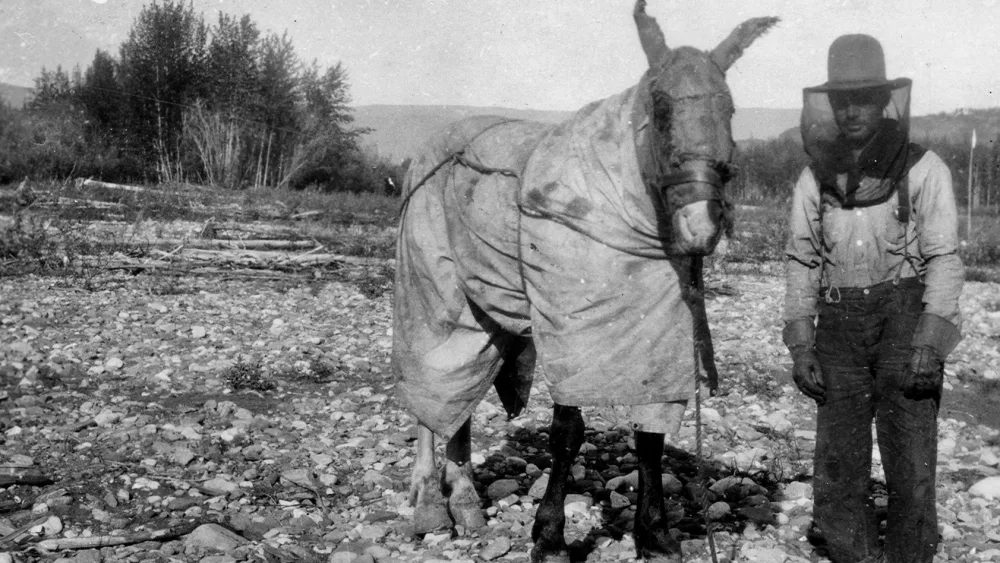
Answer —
(903, 191)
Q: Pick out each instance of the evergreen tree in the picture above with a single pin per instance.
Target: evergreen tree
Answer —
(100, 95)
(53, 89)
(163, 70)
(233, 76)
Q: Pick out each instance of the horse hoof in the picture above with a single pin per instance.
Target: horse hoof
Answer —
(538, 556)
(429, 518)
(468, 515)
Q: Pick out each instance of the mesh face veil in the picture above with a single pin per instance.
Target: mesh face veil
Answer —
(867, 178)
(819, 126)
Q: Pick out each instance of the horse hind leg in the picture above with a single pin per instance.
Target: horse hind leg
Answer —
(429, 511)
(513, 384)
(548, 532)
(457, 484)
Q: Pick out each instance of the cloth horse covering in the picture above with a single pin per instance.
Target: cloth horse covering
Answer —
(514, 228)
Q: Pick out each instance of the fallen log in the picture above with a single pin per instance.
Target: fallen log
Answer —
(195, 261)
(73, 202)
(264, 257)
(305, 214)
(16, 535)
(26, 478)
(94, 542)
(234, 244)
(89, 183)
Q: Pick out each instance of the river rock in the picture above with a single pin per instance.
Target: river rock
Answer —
(718, 510)
(214, 537)
(501, 488)
(986, 488)
(537, 490)
(495, 549)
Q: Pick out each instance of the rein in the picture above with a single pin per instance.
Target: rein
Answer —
(697, 272)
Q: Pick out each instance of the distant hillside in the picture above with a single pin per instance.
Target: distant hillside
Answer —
(14, 95)
(953, 127)
(400, 130)
(957, 126)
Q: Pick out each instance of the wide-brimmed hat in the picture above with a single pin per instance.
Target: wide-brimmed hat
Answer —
(857, 62)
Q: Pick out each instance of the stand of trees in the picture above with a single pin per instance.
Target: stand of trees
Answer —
(221, 104)
(767, 170)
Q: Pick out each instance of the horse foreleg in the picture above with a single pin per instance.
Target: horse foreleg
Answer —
(565, 439)
(429, 512)
(653, 541)
(463, 500)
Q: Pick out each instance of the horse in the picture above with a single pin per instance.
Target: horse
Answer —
(576, 247)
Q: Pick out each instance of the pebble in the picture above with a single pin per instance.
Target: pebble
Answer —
(502, 488)
(988, 458)
(762, 555)
(798, 490)
(219, 487)
(537, 490)
(988, 488)
(495, 549)
(577, 505)
(214, 537)
(718, 510)
(619, 500)
(343, 557)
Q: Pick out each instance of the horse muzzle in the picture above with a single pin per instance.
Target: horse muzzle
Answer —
(694, 200)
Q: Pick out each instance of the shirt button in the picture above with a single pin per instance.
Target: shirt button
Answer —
(866, 292)
(860, 243)
(859, 214)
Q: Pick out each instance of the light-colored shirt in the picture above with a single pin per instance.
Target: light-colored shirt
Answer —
(834, 248)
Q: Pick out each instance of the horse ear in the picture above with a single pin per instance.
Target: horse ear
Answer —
(650, 36)
(732, 47)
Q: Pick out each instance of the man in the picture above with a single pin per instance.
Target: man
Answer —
(871, 305)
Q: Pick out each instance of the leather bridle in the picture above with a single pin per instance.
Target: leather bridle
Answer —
(699, 183)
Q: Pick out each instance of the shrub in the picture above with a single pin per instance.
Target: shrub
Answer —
(248, 375)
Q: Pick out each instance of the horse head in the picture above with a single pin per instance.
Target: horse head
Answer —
(684, 141)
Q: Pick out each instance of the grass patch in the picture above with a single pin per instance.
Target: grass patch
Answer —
(378, 283)
(248, 375)
(334, 207)
(760, 233)
(312, 371)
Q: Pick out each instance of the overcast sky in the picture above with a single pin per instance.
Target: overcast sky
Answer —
(553, 54)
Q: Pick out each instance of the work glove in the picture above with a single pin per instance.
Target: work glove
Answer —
(806, 371)
(933, 339)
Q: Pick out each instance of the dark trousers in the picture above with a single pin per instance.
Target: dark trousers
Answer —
(863, 343)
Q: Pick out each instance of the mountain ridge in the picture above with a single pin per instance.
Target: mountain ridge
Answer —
(399, 130)
(14, 95)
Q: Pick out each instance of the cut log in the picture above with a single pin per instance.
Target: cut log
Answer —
(25, 478)
(73, 202)
(256, 244)
(89, 183)
(264, 257)
(94, 542)
(305, 214)
(17, 535)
